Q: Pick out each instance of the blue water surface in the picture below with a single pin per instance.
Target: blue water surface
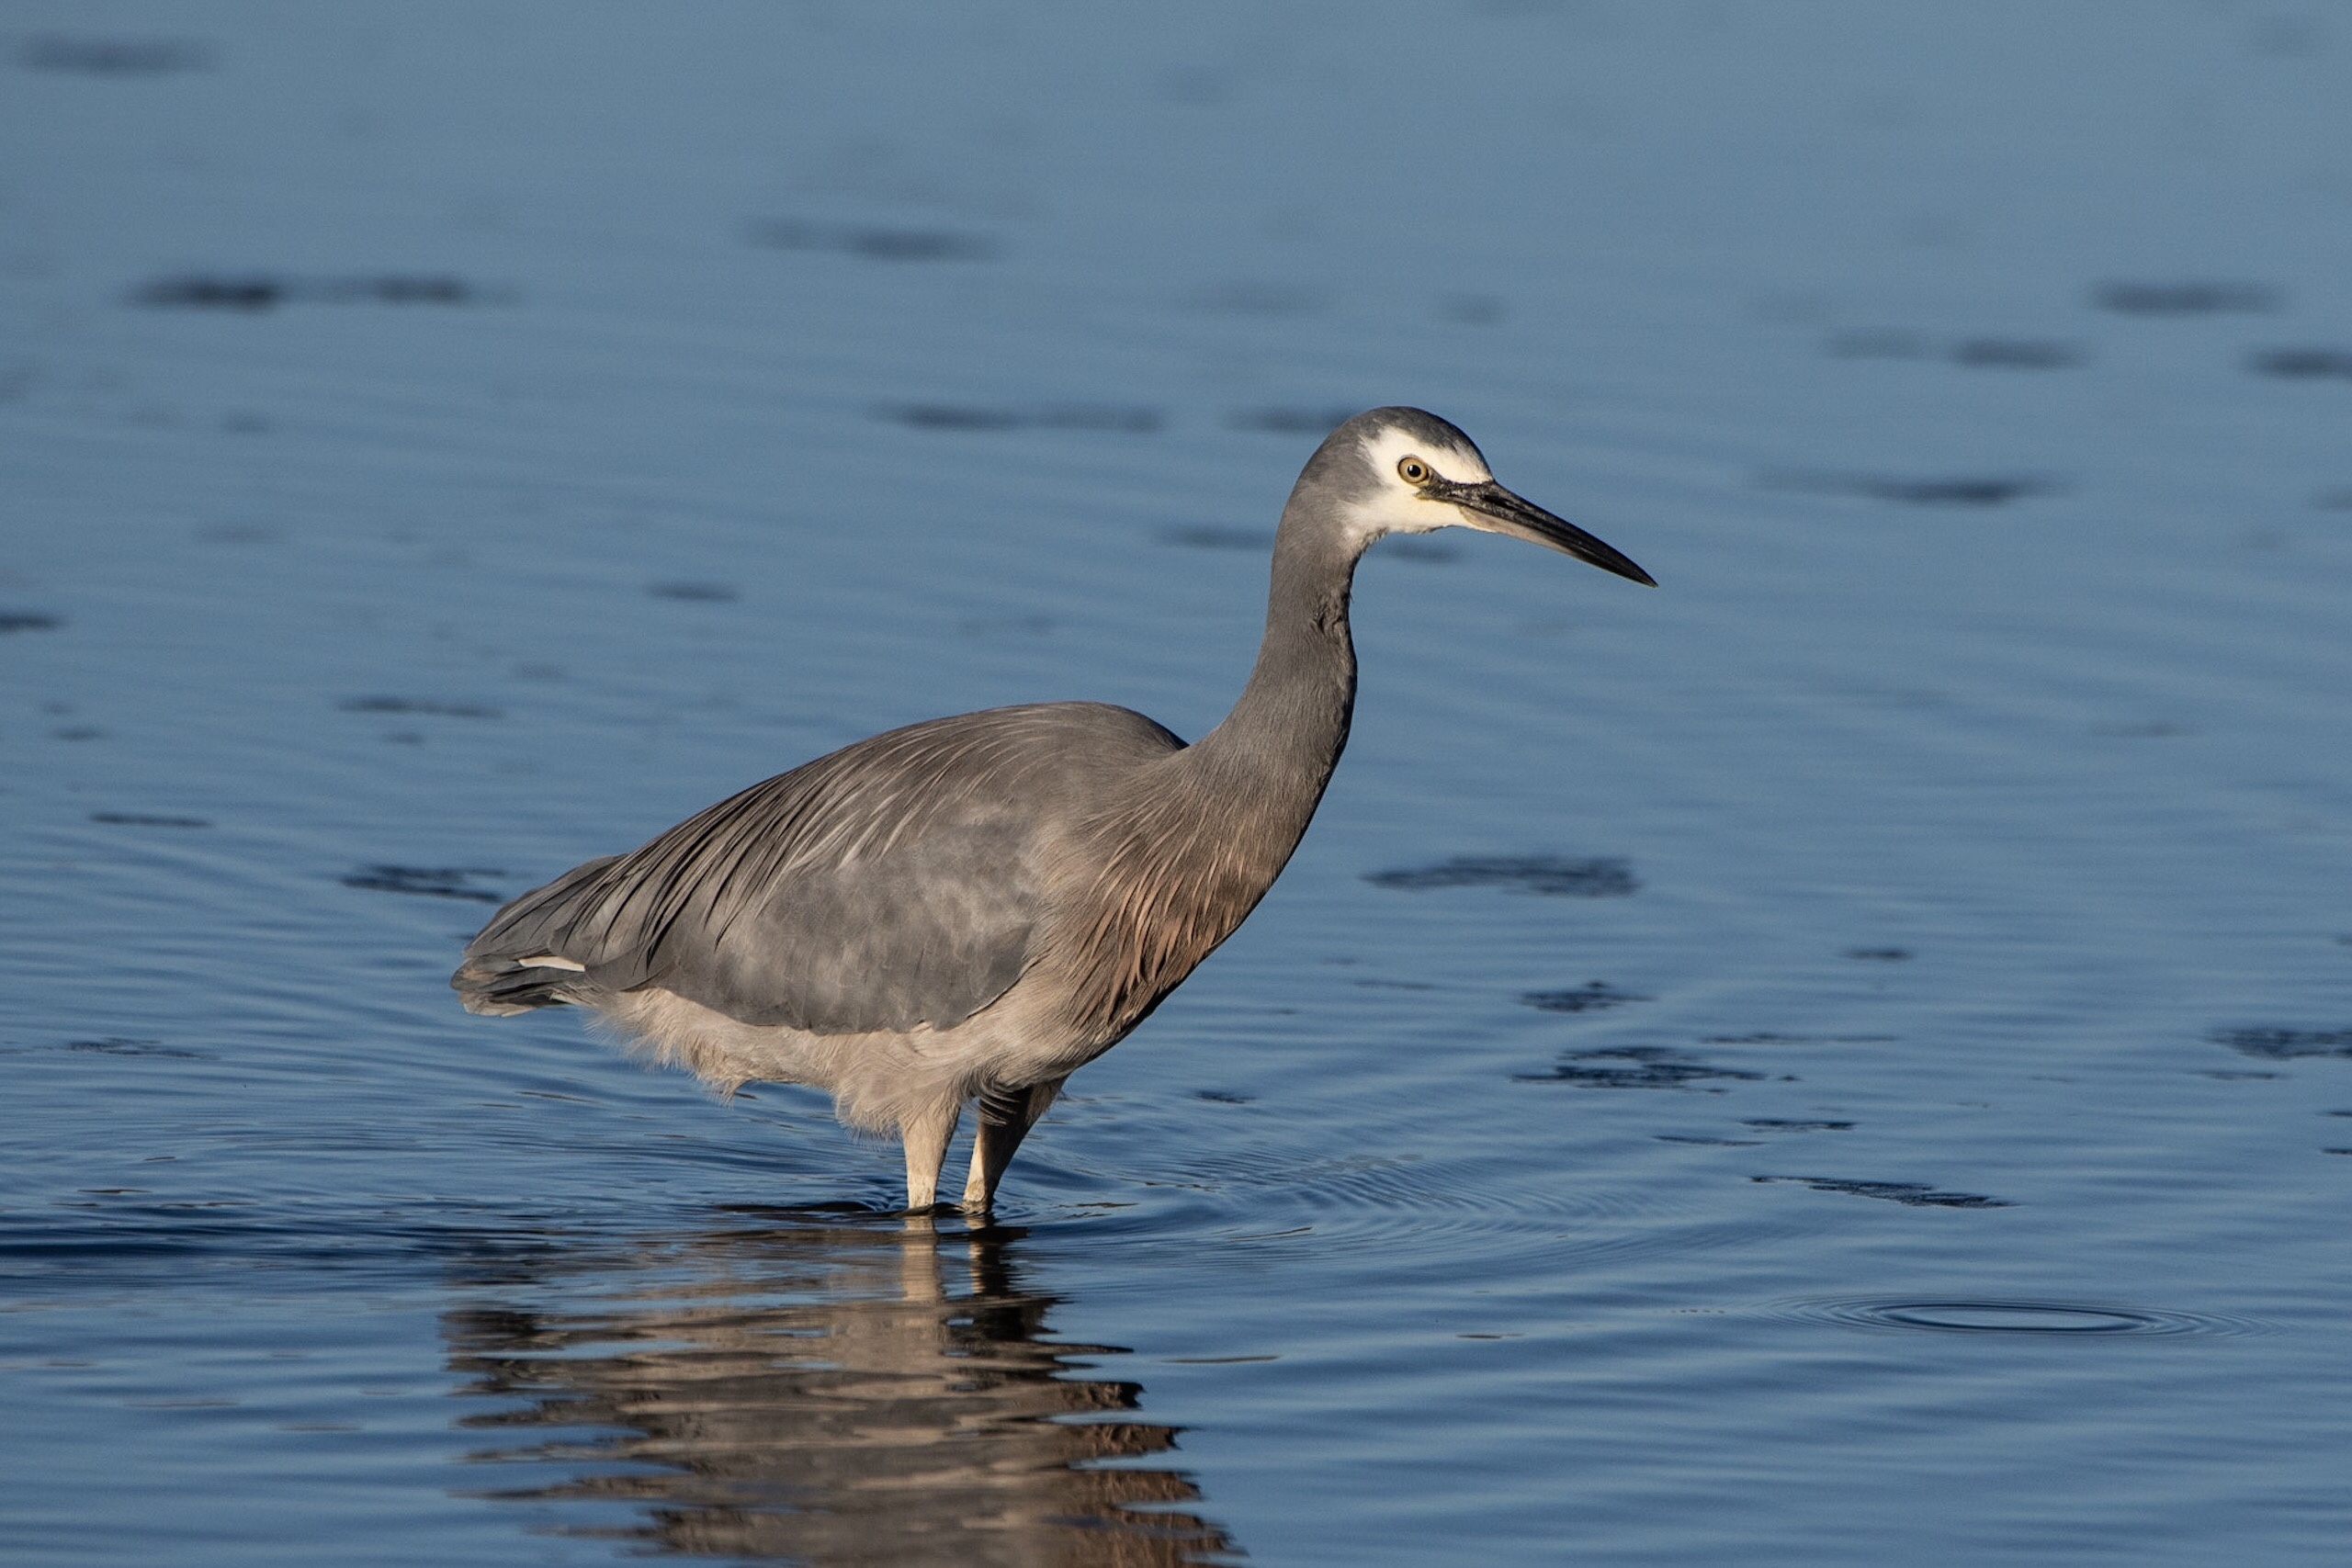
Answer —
(1844, 1059)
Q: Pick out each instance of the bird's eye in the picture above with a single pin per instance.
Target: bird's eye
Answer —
(1413, 471)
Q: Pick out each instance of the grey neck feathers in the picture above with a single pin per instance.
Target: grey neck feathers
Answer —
(1274, 752)
(1213, 825)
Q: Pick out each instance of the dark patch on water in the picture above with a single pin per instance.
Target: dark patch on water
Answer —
(2338, 499)
(1593, 996)
(1317, 423)
(1553, 876)
(399, 290)
(114, 56)
(2301, 364)
(1634, 1067)
(116, 1045)
(2104, 1320)
(1769, 1038)
(214, 293)
(872, 244)
(418, 705)
(1209, 537)
(2285, 1044)
(2015, 354)
(1977, 352)
(1219, 1097)
(1709, 1143)
(430, 882)
(693, 593)
(1058, 416)
(1990, 490)
(1777, 1124)
(146, 820)
(941, 416)
(1880, 954)
(2204, 297)
(2240, 1077)
(264, 291)
(26, 621)
(1914, 1194)
(78, 732)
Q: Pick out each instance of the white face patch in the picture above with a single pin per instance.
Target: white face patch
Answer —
(1397, 507)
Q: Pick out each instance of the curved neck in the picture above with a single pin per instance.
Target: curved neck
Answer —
(1277, 747)
(1203, 833)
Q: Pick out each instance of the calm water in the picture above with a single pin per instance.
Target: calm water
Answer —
(1844, 1059)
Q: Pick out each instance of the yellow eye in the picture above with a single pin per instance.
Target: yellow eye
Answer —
(1413, 471)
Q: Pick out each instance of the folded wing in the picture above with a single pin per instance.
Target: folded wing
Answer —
(897, 883)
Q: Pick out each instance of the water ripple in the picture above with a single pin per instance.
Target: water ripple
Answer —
(1961, 1315)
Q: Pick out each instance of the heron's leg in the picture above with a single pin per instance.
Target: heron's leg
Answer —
(1006, 1116)
(926, 1137)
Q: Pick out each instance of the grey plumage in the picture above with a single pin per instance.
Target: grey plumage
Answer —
(890, 886)
(972, 908)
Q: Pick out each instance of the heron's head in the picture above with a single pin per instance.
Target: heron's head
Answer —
(1400, 470)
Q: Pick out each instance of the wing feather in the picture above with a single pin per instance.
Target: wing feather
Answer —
(897, 883)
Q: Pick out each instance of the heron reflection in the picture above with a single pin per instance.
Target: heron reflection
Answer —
(820, 1391)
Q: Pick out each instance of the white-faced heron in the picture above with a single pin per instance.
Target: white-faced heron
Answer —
(974, 907)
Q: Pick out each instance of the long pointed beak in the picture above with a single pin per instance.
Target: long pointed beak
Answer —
(1507, 514)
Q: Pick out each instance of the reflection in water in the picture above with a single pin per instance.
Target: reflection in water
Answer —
(822, 1391)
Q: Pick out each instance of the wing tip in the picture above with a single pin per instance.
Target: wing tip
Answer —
(499, 985)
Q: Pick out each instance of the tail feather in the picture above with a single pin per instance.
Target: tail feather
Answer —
(516, 963)
(501, 986)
